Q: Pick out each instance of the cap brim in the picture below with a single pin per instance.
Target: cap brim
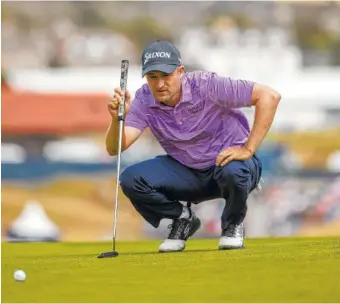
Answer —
(165, 68)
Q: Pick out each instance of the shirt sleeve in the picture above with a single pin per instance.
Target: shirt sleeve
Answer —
(230, 93)
(136, 116)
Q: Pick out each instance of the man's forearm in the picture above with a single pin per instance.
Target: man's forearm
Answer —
(265, 110)
(111, 138)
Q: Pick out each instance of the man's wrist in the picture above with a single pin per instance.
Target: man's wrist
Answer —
(251, 151)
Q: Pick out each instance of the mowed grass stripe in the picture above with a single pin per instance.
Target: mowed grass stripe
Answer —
(268, 270)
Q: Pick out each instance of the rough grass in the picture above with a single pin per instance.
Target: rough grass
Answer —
(268, 270)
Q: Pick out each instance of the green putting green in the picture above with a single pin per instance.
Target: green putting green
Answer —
(268, 270)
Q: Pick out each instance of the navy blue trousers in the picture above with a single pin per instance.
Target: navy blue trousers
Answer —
(156, 186)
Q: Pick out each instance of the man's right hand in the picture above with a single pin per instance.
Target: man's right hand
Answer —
(116, 99)
(130, 134)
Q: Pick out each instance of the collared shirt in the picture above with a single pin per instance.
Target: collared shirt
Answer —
(204, 122)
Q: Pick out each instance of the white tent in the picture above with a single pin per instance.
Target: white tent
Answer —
(33, 225)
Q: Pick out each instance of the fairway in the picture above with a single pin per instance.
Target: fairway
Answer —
(268, 270)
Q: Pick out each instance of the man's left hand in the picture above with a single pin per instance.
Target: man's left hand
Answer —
(233, 153)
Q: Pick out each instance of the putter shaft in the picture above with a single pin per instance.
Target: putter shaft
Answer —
(121, 124)
(121, 117)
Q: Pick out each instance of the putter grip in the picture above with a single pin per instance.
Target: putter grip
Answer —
(123, 83)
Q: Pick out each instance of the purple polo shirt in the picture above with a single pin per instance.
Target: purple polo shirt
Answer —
(204, 122)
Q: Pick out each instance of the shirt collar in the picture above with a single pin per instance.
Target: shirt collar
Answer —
(185, 98)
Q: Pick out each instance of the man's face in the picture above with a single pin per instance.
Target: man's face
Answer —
(166, 88)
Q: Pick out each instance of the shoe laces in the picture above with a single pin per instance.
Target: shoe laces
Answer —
(234, 230)
(177, 228)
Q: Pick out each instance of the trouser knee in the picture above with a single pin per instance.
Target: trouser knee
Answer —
(128, 181)
(232, 177)
(133, 184)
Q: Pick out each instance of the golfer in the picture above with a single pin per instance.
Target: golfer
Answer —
(210, 149)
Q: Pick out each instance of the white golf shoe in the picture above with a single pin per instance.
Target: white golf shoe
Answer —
(169, 245)
(181, 230)
(232, 237)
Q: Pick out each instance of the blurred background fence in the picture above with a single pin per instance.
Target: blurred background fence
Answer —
(61, 61)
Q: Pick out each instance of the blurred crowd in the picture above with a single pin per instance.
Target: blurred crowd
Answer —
(57, 34)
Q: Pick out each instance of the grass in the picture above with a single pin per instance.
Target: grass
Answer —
(268, 270)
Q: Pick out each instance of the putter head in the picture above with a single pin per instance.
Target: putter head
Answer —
(110, 254)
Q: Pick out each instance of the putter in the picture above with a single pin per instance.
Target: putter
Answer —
(121, 117)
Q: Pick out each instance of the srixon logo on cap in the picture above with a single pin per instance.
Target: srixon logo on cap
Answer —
(148, 56)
